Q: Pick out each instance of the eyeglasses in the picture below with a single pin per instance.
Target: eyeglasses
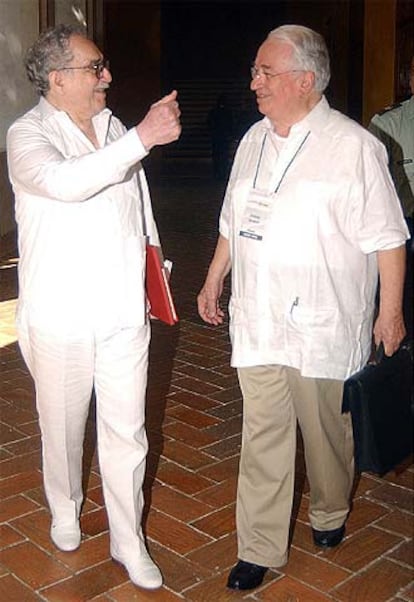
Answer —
(258, 72)
(97, 68)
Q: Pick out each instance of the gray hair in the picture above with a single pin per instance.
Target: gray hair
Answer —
(50, 52)
(309, 51)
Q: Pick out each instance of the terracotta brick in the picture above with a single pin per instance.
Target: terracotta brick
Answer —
(217, 523)
(95, 494)
(186, 433)
(404, 553)
(397, 522)
(173, 534)
(287, 589)
(220, 471)
(193, 417)
(4, 455)
(36, 527)
(37, 495)
(8, 434)
(19, 483)
(232, 426)
(377, 584)
(403, 479)
(177, 504)
(204, 374)
(84, 586)
(313, 571)
(302, 537)
(94, 522)
(131, 593)
(12, 590)
(364, 512)
(20, 464)
(33, 566)
(394, 496)
(182, 479)
(218, 555)
(15, 506)
(30, 428)
(13, 415)
(225, 448)
(354, 553)
(226, 410)
(91, 552)
(198, 386)
(19, 396)
(192, 400)
(221, 494)
(227, 395)
(179, 572)
(9, 536)
(186, 455)
(365, 484)
(24, 446)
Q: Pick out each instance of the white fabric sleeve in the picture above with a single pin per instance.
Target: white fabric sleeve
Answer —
(37, 166)
(376, 215)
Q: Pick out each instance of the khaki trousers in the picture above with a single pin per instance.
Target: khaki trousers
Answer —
(65, 370)
(275, 398)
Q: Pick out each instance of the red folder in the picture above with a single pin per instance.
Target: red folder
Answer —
(158, 289)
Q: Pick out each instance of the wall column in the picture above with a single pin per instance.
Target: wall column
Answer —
(379, 56)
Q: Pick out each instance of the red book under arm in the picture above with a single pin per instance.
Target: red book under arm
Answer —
(158, 289)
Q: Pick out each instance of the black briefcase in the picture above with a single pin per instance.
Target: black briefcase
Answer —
(380, 399)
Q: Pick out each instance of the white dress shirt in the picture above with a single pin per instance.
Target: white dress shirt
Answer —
(80, 221)
(304, 266)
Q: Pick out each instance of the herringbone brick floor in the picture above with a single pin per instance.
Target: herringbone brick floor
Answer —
(194, 423)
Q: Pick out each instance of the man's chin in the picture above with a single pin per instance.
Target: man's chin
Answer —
(100, 99)
(261, 105)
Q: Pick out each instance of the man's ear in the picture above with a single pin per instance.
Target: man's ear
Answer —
(56, 81)
(307, 83)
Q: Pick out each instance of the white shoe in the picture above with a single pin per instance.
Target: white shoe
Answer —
(66, 536)
(142, 570)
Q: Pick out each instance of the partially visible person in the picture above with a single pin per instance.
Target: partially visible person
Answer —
(394, 126)
(309, 219)
(220, 124)
(84, 213)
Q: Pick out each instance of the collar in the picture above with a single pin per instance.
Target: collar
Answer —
(314, 121)
(48, 111)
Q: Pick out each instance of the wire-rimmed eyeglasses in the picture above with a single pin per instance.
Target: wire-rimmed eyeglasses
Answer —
(96, 67)
(256, 72)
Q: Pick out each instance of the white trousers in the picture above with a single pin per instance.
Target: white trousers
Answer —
(65, 371)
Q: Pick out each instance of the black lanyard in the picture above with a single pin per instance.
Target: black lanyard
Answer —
(287, 166)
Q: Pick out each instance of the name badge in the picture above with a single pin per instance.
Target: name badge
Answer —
(256, 214)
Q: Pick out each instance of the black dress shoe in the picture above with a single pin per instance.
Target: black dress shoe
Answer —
(246, 575)
(328, 539)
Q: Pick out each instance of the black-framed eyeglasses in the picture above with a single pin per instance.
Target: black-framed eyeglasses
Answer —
(97, 68)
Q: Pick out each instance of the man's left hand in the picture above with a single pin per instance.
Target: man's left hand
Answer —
(389, 330)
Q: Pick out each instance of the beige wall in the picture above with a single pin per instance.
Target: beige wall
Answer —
(20, 23)
(7, 223)
(19, 27)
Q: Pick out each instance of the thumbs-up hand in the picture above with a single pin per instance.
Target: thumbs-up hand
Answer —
(161, 124)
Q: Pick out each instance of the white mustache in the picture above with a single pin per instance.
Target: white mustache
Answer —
(103, 87)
